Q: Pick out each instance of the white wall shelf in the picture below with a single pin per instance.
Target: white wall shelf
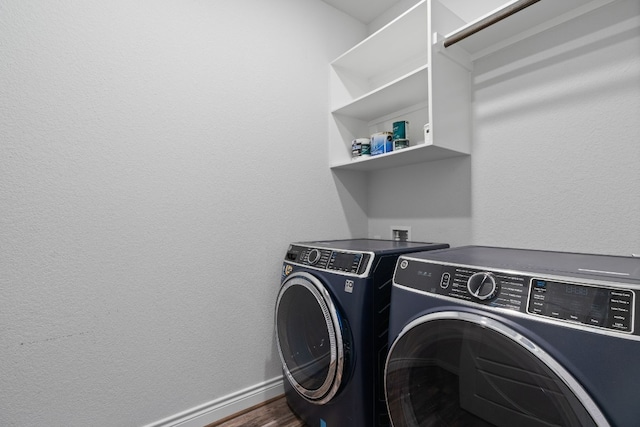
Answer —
(403, 38)
(401, 93)
(391, 76)
(419, 153)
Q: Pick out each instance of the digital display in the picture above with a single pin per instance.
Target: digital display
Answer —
(342, 261)
(582, 291)
(570, 301)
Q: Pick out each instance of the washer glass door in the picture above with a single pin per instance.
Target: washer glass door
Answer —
(462, 369)
(309, 337)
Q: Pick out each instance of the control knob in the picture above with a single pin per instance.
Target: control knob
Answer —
(483, 286)
(314, 256)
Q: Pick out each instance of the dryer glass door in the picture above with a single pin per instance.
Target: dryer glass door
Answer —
(462, 369)
(309, 337)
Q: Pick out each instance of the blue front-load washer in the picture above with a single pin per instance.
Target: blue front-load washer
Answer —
(331, 326)
(484, 336)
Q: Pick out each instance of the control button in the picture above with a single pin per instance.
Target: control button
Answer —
(314, 256)
(596, 316)
(540, 285)
(619, 310)
(595, 321)
(622, 326)
(620, 302)
(621, 294)
(445, 280)
(483, 286)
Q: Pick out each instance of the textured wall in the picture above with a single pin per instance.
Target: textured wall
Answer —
(555, 149)
(156, 157)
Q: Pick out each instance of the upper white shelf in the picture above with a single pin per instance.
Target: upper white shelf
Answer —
(404, 92)
(373, 55)
(536, 18)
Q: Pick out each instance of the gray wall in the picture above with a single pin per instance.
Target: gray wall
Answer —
(555, 151)
(156, 158)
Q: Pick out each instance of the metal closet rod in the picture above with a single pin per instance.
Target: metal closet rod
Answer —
(488, 21)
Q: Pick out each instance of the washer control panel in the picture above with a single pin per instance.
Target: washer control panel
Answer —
(349, 262)
(576, 302)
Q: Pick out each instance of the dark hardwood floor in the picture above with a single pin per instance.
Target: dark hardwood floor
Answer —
(273, 413)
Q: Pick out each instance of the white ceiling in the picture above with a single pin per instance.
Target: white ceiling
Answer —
(366, 11)
(363, 10)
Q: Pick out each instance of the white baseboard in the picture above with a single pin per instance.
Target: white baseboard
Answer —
(225, 406)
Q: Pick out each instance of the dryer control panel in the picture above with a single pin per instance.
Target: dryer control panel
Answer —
(565, 300)
(591, 305)
(348, 262)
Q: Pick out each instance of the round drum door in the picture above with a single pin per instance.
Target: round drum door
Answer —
(457, 368)
(310, 338)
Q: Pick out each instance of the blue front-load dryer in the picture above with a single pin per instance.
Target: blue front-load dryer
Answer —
(331, 322)
(485, 336)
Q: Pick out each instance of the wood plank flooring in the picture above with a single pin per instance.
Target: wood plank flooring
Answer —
(273, 413)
